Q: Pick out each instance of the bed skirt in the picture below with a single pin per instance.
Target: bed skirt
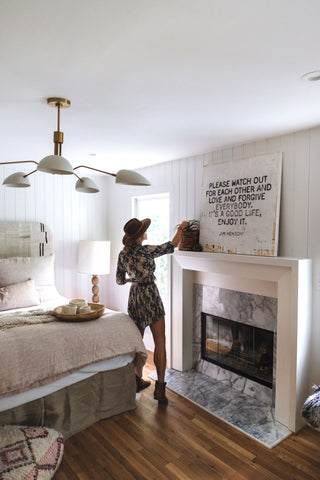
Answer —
(78, 406)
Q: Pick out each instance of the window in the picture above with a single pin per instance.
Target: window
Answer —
(156, 207)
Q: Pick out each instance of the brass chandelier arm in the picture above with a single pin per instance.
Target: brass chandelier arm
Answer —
(27, 174)
(19, 161)
(22, 161)
(77, 176)
(96, 170)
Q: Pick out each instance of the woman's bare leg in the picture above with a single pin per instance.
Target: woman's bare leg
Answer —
(142, 333)
(141, 384)
(159, 354)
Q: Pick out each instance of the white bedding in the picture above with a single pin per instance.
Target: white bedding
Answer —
(39, 360)
(85, 372)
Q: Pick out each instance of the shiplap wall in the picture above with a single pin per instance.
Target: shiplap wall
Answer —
(73, 216)
(299, 218)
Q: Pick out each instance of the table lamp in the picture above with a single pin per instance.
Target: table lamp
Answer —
(94, 259)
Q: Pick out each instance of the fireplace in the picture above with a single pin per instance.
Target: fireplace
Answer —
(286, 279)
(243, 349)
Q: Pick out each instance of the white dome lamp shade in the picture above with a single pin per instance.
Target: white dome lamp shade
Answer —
(130, 177)
(86, 185)
(55, 164)
(17, 180)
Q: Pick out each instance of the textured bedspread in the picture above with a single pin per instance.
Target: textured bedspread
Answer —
(10, 320)
(34, 355)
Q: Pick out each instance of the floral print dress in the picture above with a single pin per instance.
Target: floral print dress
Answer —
(144, 305)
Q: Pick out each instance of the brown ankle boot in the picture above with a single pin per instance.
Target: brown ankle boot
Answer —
(141, 384)
(160, 393)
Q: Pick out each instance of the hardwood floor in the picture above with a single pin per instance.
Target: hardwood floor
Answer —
(182, 442)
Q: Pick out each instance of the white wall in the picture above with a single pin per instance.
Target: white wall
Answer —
(73, 216)
(299, 217)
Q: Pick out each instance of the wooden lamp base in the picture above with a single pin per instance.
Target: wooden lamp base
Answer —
(95, 289)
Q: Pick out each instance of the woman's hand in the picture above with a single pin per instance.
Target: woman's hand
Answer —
(176, 239)
(183, 225)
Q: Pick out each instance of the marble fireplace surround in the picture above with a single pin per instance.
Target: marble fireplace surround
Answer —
(287, 279)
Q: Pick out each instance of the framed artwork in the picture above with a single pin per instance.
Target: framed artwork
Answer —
(240, 206)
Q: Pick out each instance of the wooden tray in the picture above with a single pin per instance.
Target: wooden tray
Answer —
(96, 311)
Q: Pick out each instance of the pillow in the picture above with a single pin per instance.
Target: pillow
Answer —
(47, 292)
(19, 269)
(21, 295)
(311, 408)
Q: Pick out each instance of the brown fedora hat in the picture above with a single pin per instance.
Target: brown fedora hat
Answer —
(133, 229)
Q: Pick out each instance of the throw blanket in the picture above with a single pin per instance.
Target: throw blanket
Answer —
(42, 353)
(32, 317)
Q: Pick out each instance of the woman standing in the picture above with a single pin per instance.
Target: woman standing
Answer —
(136, 265)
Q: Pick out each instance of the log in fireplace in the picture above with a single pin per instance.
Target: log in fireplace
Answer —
(244, 349)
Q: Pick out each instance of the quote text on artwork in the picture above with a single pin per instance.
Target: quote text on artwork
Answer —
(240, 206)
(234, 201)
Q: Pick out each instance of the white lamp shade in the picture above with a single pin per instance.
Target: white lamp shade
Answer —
(16, 180)
(94, 257)
(86, 185)
(55, 164)
(130, 177)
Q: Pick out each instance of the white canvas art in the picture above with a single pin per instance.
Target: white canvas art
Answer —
(240, 206)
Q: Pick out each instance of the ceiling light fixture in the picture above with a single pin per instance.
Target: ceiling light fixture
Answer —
(58, 165)
(311, 76)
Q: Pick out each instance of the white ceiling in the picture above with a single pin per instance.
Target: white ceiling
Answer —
(154, 80)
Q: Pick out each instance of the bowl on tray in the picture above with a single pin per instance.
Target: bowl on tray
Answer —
(96, 310)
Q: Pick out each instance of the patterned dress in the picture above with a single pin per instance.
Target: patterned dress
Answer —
(144, 305)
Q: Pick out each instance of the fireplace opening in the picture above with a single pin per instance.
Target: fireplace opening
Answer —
(240, 348)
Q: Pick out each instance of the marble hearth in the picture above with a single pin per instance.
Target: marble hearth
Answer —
(287, 280)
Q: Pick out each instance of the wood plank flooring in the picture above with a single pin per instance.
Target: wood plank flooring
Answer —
(182, 442)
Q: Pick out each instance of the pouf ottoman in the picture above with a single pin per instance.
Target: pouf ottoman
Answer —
(311, 408)
(29, 453)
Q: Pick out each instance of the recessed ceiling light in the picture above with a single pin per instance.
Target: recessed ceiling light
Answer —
(311, 76)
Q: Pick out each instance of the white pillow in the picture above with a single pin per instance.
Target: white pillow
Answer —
(19, 269)
(47, 292)
(21, 295)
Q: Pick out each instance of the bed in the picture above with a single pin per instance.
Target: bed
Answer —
(63, 375)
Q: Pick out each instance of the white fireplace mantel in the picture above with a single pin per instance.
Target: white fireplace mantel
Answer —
(290, 281)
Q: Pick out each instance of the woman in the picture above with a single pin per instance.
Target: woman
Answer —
(136, 265)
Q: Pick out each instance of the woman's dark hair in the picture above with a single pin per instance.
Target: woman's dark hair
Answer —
(129, 248)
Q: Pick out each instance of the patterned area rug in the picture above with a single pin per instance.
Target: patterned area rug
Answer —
(29, 453)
